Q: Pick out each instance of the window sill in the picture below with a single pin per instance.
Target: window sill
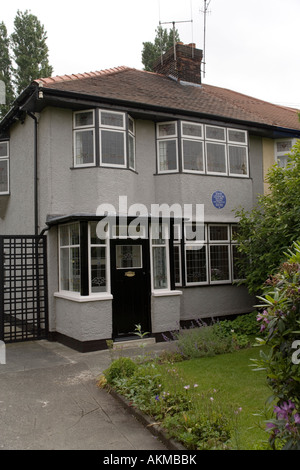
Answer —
(80, 298)
(166, 293)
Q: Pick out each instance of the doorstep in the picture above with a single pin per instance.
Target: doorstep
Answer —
(134, 343)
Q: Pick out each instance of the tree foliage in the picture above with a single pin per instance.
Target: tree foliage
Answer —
(163, 41)
(23, 55)
(30, 51)
(5, 69)
(272, 226)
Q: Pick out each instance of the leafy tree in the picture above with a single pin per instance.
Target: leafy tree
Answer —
(163, 41)
(5, 70)
(30, 51)
(272, 226)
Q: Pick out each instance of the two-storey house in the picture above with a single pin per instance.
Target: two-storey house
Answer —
(118, 169)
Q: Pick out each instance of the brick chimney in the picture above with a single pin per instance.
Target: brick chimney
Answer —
(183, 64)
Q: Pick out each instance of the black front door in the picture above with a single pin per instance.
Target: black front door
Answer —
(130, 286)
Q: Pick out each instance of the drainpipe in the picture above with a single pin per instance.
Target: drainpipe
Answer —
(36, 207)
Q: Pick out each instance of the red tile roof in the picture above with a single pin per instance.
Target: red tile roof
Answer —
(152, 89)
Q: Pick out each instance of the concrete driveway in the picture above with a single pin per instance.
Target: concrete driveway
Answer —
(49, 401)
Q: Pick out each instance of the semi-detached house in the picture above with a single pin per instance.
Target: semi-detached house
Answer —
(103, 150)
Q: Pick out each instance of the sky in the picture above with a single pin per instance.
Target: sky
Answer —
(252, 46)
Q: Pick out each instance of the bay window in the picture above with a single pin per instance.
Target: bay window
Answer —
(103, 138)
(83, 260)
(167, 147)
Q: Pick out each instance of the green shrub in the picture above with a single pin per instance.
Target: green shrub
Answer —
(120, 368)
(279, 323)
(202, 341)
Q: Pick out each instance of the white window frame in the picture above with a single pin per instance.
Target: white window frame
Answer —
(240, 175)
(171, 137)
(107, 126)
(132, 135)
(6, 159)
(192, 137)
(107, 256)
(158, 156)
(77, 129)
(161, 245)
(277, 154)
(216, 127)
(64, 291)
(229, 129)
(199, 172)
(220, 243)
(215, 142)
(194, 246)
(112, 165)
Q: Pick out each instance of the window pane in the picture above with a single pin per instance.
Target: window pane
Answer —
(167, 129)
(131, 151)
(3, 149)
(219, 266)
(131, 125)
(112, 148)
(84, 119)
(218, 232)
(98, 269)
(3, 176)
(216, 158)
(284, 146)
(282, 161)
(74, 234)
(64, 235)
(190, 129)
(196, 264)
(167, 155)
(160, 276)
(84, 147)
(193, 155)
(237, 136)
(74, 270)
(112, 119)
(215, 133)
(237, 160)
(128, 256)
(177, 264)
(64, 268)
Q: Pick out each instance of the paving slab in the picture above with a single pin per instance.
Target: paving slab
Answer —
(49, 401)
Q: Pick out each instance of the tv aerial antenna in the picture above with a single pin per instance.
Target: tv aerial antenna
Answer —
(174, 31)
(204, 11)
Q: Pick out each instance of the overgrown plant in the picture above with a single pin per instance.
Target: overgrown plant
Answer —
(272, 226)
(279, 321)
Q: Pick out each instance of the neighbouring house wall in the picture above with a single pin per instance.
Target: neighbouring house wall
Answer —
(268, 159)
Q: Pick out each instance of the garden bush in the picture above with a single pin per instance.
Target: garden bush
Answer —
(279, 320)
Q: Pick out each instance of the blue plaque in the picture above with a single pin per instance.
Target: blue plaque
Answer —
(219, 199)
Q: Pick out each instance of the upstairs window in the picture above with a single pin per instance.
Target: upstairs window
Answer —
(282, 150)
(167, 147)
(203, 149)
(4, 168)
(112, 139)
(103, 138)
(84, 138)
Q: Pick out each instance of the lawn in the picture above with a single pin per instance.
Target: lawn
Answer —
(236, 385)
